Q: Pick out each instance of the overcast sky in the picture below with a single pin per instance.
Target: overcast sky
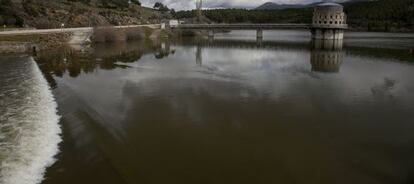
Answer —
(190, 4)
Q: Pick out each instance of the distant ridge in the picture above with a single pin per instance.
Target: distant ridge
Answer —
(276, 6)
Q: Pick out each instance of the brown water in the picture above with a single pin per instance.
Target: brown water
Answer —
(233, 110)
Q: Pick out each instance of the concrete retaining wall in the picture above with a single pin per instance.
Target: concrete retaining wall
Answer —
(17, 47)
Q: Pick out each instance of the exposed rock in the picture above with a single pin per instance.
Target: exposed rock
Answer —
(75, 13)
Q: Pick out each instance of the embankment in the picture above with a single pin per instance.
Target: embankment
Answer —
(34, 40)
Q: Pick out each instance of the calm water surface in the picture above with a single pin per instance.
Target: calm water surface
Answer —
(236, 110)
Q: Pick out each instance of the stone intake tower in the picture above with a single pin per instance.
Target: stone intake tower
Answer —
(328, 22)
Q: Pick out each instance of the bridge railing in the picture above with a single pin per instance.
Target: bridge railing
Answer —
(242, 26)
(321, 26)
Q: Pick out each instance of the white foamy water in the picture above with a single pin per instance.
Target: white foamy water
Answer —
(29, 129)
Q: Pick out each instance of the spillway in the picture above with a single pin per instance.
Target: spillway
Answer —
(29, 123)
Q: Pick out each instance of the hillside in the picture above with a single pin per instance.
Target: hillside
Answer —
(379, 15)
(276, 6)
(75, 13)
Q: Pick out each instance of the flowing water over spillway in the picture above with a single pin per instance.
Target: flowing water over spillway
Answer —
(29, 130)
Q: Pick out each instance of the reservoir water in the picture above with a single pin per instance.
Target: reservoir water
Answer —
(231, 109)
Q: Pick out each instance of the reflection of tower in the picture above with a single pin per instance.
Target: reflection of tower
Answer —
(326, 55)
(199, 56)
(164, 51)
(259, 41)
(166, 47)
(210, 36)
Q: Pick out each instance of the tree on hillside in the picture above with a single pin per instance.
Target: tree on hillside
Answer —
(137, 2)
(82, 1)
(115, 3)
(380, 15)
(6, 2)
(161, 7)
(157, 5)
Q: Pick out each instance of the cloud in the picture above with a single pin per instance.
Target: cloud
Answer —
(190, 4)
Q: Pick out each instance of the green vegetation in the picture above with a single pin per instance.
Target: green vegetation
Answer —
(104, 56)
(381, 15)
(163, 8)
(253, 16)
(136, 2)
(110, 34)
(75, 13)
(385, 15)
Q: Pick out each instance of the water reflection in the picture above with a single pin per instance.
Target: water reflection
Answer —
(199, 55)
(164, 51)
(75, 61)
(188, 111)
(259, 41)
(326, 55)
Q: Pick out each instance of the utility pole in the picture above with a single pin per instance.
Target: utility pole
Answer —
(199, 6)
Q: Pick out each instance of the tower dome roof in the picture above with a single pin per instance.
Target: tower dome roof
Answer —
(329, 5)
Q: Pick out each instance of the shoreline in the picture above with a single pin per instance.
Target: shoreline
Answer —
(32, 41)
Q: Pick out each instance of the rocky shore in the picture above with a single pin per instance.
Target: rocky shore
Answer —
(24, 43)
(32, 43)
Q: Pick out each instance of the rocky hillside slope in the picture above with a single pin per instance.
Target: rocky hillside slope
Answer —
(75, 13)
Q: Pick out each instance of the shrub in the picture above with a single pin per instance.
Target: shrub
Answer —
(6, 2)
(134, 34)
(188, 33)
(111, 34)
(32, 9)
(11, 21)
(137, 2)
(45, 24)
(108, 34)
(19, 21)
